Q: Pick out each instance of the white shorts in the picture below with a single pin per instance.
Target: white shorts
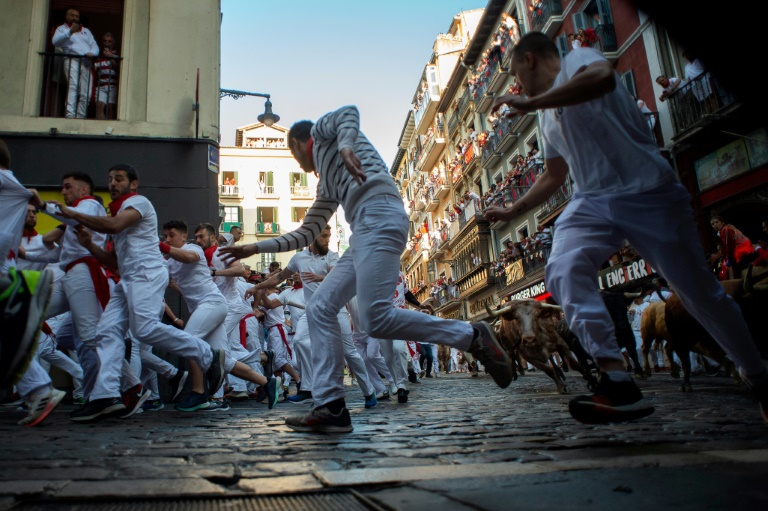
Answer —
(107, 94)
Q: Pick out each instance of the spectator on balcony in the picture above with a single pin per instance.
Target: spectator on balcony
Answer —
(699, 79)
(624, 188)
(76, 41)
(668, 85)
(737, 248)
(573, 42)
(106, 68)
(543, 236)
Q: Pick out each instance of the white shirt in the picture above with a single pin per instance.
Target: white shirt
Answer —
(71, 249)
(228, 287)
(655, 296)
(194, 279)
(400, 289)
(137, 247)
(79, 43)
(13, 210)
(294, 296)
(274, 316)
(307, 262)
(635, 314)
(33, 244)
(605, 141)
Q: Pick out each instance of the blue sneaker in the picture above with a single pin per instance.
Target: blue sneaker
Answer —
(370, 401)
(193, 402)
(300, 397)
(273, 388)
(153, 406)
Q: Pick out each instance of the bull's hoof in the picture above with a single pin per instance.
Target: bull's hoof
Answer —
(686, 387)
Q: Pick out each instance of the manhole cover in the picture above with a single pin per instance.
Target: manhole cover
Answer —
(325, 501)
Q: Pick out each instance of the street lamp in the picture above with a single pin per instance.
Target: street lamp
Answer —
(268, 117)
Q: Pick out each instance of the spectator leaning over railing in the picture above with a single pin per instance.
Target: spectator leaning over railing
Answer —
(77, 41)
(106, 68)
(668, 85)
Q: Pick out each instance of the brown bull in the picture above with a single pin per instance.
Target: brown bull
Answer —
(527, 328)
(686, 334)
(653, 330)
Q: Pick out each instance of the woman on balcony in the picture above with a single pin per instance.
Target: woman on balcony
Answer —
(737, 248)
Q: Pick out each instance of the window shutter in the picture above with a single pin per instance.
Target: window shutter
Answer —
(579, 21)
(562, 45)
(604, 10)
(628, 79)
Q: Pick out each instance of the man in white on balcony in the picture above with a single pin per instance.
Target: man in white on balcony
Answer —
(619, 176)
(76, 40)
(353, 175)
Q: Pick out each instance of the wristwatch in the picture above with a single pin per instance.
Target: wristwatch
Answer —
(213, 272)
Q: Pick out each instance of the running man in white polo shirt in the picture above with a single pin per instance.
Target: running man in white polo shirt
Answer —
(137, 298)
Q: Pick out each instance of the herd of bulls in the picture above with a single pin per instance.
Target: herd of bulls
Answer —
(534, 331)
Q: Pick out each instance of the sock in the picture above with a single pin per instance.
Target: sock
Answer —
(619, 376)
(336, 406)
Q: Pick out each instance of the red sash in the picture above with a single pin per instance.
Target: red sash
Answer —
(100, 283)
(243, 331)
(47, 329)
(282, 336)
(116, 204)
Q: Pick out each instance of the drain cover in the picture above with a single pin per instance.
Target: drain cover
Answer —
(325, 501)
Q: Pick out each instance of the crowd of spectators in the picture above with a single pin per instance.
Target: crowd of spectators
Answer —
(504, 39)
(510, 187)
(527, 246)
(269, 143)
(444, 284)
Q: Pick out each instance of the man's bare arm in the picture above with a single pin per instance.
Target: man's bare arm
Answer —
(103, 224)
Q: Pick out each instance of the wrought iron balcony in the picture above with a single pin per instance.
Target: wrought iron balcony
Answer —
(267, 228)
(230, 191)
(543, 11)
(697, 99)
(453, 123)
(606, 38)
(465, 102)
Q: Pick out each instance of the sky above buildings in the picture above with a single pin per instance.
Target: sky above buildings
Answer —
(315, 56)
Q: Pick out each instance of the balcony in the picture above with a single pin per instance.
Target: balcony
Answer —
(267, 228)
(415, 214)
(693, 104)
(547, 16)
(265, 191)
(421, 202)
(483, 94)
(490, 155)
(469, 158)
(453, 124)
(507, 133)
(441, 191)
(606, 41)
(54, 101)
(425, 110)
(447, 295)
(301, 192)
(558, 199)
(519, 273)
(433, 147)
(230, 192)
(464, 103)
(432, 202)
(226, 226)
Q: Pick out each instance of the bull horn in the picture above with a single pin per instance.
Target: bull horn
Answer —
(550, 306)
(633, 295)
(496, 314)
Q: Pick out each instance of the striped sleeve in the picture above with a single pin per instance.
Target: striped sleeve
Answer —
(342, 125)
(315, 221)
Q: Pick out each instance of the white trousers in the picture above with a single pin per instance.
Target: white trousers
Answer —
(659, 224)
(79, 80)
(396, 355)
(374, 362)
(34, 379)
(134, 304)
(370, 269)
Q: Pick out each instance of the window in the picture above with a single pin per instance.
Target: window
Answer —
(266, 260)
(298, 214)
(266, 185)
(93, 79)
(522, 231)
(628, 79)
(562, 45)
(233, 214)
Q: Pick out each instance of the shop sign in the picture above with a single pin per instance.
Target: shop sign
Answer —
(624, 273)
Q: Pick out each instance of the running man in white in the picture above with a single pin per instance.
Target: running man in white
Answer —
(618, 176)
(353, 175)
(138, 298)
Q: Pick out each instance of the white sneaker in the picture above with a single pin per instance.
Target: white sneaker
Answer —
(41, 404)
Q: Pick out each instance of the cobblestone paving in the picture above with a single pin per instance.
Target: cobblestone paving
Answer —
(457, 439)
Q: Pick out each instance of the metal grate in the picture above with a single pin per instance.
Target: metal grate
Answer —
(329, 501)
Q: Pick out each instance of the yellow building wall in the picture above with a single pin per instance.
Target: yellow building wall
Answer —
(46, 223)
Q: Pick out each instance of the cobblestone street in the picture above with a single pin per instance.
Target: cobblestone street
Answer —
(459, 443)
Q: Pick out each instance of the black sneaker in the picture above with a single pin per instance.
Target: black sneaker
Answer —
(321, 420)
(612, 402)
(260, 395)
(273, 387)
(402, 395)
(412, 376)
(177, 383)
(98, 409)
(215, 374)
(384, 396)
(23, 302)
(267, 364)
(193, 402)
(486, 348)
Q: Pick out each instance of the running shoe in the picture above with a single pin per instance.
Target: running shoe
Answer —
(217, 405)
(402, 395)
(177, 383)
(133, 399)
(384, 396)
(321, 420)
(11, 400)
(612, 402)
(273, 388)
(41, 404)
(300, 397)
(267, 364)
(215, 374)
(240, 395)
(153, 406)
(260, 395)
(23, 301)
(192, 402)
(486, 348)
(370, 401)
(98, 409)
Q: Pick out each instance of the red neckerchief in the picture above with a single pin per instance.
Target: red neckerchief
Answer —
(297, 285)
(115, 205)
(29, 235)
(81, 199)
(209, 253)
(310, 145)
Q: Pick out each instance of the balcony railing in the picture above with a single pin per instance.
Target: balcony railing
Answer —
(265, 190)
(464, 102)
(606, 38)
(267, 228)
(560, 197)
(81, 87)
(422, 107)
(469, 156)
(453, 123)
(230, 191)
(544, 10)
(536, 259)
(301, 191)
(701, 96)
(485, 76)
(471, 210)
(448, 294)
(490, 147)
